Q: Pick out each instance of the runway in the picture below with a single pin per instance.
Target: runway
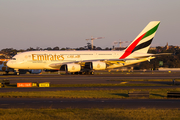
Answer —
(89, 79)
(86, 79)
(88, 103)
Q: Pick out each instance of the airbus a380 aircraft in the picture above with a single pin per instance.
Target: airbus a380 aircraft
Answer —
(88, 61)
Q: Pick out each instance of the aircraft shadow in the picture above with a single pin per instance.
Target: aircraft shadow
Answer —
(157, 95)
(121, 94)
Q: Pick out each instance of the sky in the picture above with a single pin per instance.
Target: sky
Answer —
(68, 23)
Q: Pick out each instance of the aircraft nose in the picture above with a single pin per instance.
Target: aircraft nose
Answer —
(10, 64)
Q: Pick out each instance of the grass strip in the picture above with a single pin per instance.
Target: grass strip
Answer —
(135, 72)
(96, 85)
(110, 94)
(90, 114)
(145, 80)
(105, 85)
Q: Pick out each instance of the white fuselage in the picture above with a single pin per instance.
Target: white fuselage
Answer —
(43, 59)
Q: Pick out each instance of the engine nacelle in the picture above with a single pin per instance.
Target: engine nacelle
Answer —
(98, 65)
(71, 68)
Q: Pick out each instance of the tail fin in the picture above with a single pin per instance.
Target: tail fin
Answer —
(143, 41)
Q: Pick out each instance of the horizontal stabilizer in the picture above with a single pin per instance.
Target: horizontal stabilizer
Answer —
(152, 55)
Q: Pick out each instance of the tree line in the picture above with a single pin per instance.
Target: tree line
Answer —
(167, 61)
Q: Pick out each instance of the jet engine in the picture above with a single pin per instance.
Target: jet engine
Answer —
(96, 65)
(71, 68)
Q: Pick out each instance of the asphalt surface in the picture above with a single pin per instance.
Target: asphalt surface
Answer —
(89, 103)
(86, 79)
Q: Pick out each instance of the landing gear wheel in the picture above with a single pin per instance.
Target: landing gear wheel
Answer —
(92, 73)
(7, 72)
(76, 73)
(80, 73)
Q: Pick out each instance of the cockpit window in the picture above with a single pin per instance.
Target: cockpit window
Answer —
(13, 59)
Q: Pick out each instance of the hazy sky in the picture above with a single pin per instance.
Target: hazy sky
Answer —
(67, 23)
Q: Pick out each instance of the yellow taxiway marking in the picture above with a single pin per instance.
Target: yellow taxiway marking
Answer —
(123, 82)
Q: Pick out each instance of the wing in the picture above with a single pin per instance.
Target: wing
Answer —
(82, 63)
(108, 61)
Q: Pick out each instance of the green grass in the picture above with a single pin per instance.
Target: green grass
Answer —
(144, 80)
(134, 72)
(90, 114)
(105, 85)
(95, 85)
(109, 94)
(122, 82)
